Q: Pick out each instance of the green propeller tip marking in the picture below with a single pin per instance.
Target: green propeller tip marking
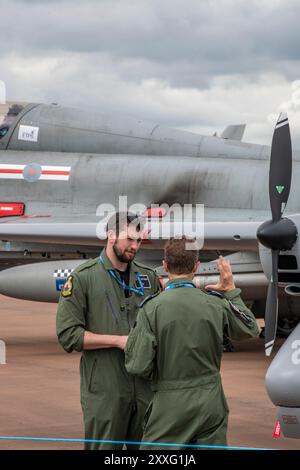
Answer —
(280, 189)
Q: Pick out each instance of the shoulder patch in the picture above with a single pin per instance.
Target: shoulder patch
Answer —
(68, 287)
(215, 293)
(149, 297)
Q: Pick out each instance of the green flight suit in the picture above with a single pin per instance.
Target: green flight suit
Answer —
(113, 402)
(178, 342)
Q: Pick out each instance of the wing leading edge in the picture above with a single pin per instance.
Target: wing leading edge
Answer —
(235, 236)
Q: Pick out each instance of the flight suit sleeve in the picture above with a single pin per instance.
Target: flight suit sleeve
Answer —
(70, 319)
(141, 346)
(239, 321)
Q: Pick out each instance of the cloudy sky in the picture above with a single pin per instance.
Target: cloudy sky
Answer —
(193, 64)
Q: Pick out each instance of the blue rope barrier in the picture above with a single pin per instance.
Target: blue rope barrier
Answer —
(103, 441)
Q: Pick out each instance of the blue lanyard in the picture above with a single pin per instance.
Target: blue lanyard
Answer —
(139, 290)
(175, 286)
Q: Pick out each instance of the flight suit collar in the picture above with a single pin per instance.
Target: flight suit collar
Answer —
(179, 280)
(108, 265)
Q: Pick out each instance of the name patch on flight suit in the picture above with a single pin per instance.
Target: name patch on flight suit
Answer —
(68, 288)
(145, 281)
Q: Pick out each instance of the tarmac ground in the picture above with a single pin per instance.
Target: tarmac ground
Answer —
(39, 385)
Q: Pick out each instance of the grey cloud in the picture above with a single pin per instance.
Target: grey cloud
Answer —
(200, 39)
(100, 53)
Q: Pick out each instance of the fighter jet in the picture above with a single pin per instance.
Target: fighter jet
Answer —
(58, 165)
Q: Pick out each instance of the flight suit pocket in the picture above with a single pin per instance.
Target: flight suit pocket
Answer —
(147, 414)
(93, 382)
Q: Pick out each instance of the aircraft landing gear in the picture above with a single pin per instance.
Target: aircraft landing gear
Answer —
(284, 327)
(227, 345)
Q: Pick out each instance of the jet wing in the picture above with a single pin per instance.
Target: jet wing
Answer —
(90, 231)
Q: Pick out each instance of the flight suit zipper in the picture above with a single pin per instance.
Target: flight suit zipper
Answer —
(128, 320)
(134, 407)
(114, 314)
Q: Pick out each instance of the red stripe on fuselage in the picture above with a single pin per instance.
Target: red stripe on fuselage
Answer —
(53, 172)
(44, 172)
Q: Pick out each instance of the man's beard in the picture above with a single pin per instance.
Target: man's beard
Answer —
(122, 256)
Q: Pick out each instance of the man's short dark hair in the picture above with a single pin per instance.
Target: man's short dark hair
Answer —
(179, 259)
(120, 220)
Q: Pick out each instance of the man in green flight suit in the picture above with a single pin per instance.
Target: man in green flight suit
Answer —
(97, 307)
(178, 342)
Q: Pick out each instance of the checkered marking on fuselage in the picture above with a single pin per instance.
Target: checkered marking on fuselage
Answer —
(62, 273)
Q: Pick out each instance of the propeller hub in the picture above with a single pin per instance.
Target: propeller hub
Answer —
(277, 235)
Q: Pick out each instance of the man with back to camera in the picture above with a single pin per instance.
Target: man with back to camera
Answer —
(178, 342)
(97, 307)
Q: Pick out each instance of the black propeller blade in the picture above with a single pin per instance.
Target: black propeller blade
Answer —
(280, 175)
(279, 233)
(271, 313)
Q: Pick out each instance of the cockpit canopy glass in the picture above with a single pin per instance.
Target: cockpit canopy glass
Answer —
(8, 114)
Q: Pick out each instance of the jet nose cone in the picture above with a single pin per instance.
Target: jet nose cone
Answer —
(39, 281)
(283, 375)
